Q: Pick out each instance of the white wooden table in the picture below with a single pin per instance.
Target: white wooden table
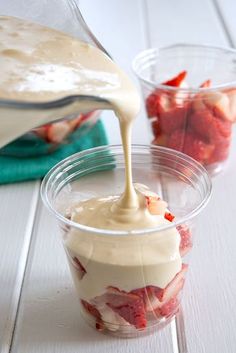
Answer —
(37, 303)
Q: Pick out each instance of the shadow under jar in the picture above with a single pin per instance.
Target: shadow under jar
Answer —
(116, 272)
(190, 99)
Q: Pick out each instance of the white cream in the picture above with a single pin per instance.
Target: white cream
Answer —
(39, 64)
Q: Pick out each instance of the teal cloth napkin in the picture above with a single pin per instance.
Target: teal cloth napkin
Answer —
(14, 169)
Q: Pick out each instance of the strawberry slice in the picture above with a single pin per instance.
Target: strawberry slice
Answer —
(58, 132)
(91, 309)
(74, 123)
(161, 140)
(177, 80)
(173, 119)
(205, 84)
(156, 129)
(220, 154)
(192, 145)
(157, 103)
(197, 148)
(174, 287)
(155, 205)
(220, 130)
(41, 131)
(201, 122)
(170, 308)
(79, 267)
(128, 305)
(185, 239)
(219, 103)
(169, 216)
(232, 104)
(149, 297)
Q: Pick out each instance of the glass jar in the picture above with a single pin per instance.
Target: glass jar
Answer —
(70, 123)
(113, 271)
(190, 99)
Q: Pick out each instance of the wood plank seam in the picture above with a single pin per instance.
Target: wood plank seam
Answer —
(22, 267)
(145, 21)
(147, 38)
(222, 21)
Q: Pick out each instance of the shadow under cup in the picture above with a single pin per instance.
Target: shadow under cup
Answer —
(116, 272)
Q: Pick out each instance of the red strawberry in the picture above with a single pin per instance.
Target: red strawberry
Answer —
(156, 128)
(220, 130)
(91, 309)
(177, 80)
(160, 140)
(206, 84)
(149, 298)
(169, 216)
(185, 239)
(156, 103)
(201, 122)
(174, 287)
(170, 308)
(197, 148)
(219, 103)
(41, 131)
(80, 268)
(155, 205)
(128, 305)
(173, 119)
(58, 131)
(176, 140)
(191, 145)
(220, 153)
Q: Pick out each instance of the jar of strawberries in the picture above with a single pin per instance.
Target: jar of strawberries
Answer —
(190, 100)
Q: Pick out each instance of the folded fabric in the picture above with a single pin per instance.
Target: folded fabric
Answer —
(14, 169)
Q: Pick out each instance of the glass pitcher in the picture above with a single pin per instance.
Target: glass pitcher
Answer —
(62, 116)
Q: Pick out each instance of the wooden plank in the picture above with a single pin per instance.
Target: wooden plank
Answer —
(209, 299)
(17, 210)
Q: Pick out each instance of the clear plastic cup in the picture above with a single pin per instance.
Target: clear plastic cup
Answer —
(194, 113)
(113, 271)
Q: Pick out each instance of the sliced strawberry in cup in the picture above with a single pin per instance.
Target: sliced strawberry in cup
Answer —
(192, 145)
(201, 122)
(155, 205)
(157, 103)
(58, 132)
(174, 287)
(185, 239)
(169, 216)
(206, 84)
(128, 305)
(91, 309)
(197, 148)
(160, 140)
(160, 102)
(79, 267)
(172, 119)
(177, 80)
(169, 308)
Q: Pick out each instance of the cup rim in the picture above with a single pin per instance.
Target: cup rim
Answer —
(62, 165)
(184, 90)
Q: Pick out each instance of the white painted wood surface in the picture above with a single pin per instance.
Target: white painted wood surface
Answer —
(46, 317)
